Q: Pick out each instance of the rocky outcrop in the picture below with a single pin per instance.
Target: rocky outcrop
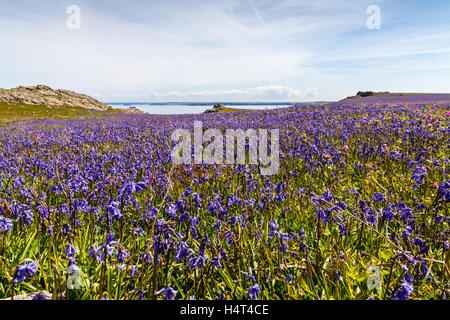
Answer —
(44, 95)
(131, 110)
(43, 295)
(217, 108)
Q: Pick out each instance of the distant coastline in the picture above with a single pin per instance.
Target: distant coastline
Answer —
(214, 102)
(200, 107)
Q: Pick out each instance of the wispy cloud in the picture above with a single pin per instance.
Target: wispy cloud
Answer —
(270, 92)
(134, 48)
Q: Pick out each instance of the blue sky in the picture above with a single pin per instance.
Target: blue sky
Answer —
(230, 50)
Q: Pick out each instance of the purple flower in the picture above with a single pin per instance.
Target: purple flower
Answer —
(98, 254)
(128, 267)
(198, 261)
(403, 291)
(24, 271)
(444, 191)
(253, 292)
(171, 210)
(372, 219)
(113, 211)
(70, 251)
(122, 255)
(327, 196)
(5, 224)
(217, 225)
(169, 293)
(322, 215)
(408, 278)
(388, 213)
(353, 191)
(40, 296)
(378, 196)
(182, 251)
(393, 237)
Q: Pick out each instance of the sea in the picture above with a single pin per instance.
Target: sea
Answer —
(196, 107)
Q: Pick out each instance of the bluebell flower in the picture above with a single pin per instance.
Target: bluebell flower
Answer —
(372, 219)
(273, 225)
(322, 215)
(327, 196)
(341, 205)
(388, 213)
(49, 230)
(24, 271)
(128, 267)
(194, 221)
(408, 278)
(169, 293)
(22, 212)
(43, 212)
(70, 251)
(353, 191)
(199, 261)
(406, 214)
(302, 233)
(444, 191)
(378, 196)
(393, 237)
(253, 292)
(40, 296)
(182, 251)
(288, 278)
(343, 231)
(98, 254)
(187, 192)
(138, 232)
(403, 291)
(149, 214)
(113, 210)
(122, 255)
(5, 224)
(217, 225)
(362, 204)
(421, 206)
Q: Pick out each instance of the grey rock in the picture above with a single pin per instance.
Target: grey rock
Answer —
(44, 95)
(43, 295)
(217, 108)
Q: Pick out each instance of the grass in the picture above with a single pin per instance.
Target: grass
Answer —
(18, 111)
(228, 109)
(324, 151)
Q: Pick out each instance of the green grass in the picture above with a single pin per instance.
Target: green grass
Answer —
(228, 109)
(314, 263)
(19, 111)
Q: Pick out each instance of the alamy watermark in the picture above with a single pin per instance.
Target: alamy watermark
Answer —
(374, 280)
(213, 152)
(74, 20)
(74, 277)
(374, 20)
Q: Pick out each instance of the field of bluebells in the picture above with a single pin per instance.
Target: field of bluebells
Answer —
(359, 187)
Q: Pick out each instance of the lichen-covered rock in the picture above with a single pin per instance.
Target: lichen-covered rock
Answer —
(43, 295)
(44, 95)
(217, 108)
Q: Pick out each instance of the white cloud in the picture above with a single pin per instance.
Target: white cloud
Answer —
(270, 92)
(197, 49)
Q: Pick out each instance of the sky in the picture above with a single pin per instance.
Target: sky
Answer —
(229, 50)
